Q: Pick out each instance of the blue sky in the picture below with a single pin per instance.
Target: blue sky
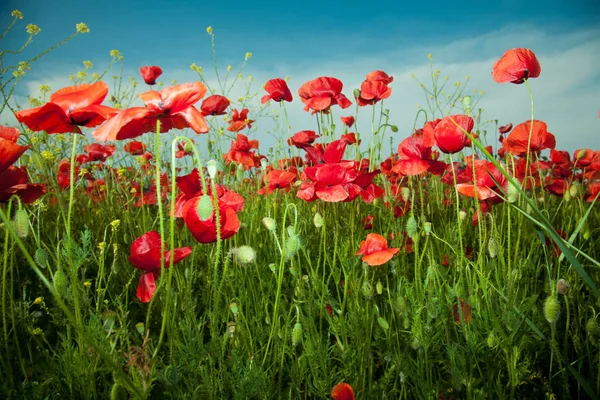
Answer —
(345, 40)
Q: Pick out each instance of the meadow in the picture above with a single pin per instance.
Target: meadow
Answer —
(153, 247)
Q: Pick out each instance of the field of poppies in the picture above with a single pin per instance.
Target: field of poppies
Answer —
(153, 247)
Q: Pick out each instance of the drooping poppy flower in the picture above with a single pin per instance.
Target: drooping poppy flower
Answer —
(374, 88)
(173, 106)
(135, 148)
(350, 138)
(322, 93)
(150, 74)
(241, 152)
(98, 152)
(448, 133)
(516, 143)
(278, 91)
(205, 231)
(239, 120)
(505, 128)
(348, 121)
(342, 391)
(303, 139)
(145, 254)
(68, 109)
(515, 66)
(375, 250)
(214, 105)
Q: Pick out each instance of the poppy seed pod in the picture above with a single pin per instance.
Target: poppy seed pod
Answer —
(270, 223)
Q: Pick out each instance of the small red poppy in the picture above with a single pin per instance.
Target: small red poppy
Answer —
(150, 74)
(145, 254)
(342, 391)
(214, 105)
(375, 250)
(135, 148)
(321, 93)
(515, 66)
(348, 121)
(278, 91)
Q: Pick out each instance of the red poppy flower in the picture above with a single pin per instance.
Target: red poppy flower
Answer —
(350, 138)
(183, 149)
(278, 179)
(516, 142)
(303, 139)
(278, 91)
(583, 158)
(241, 152)
(505, 128)
(239, 120)
(214, 105)
(487, 179)
(135, 148)
(465, 308)
(321, 93)
(205, 231)
(150, 74)
(416, 158)
(330, 182)
(14, 182)
(348, 121)
(146, 256)
(374, 88)
(448, 133)
(10, 151)
(342, 391)
(68, 109)
(191, 187)
(375, 250)
(173, 106)
(515, 66)
(98, 152)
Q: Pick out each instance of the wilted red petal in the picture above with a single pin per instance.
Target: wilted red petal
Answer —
(146, 288)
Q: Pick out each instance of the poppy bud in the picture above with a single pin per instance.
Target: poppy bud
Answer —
(405, 192)
(140, 328)
(493, 247)
(513, 193)
(427, 228)
(574, 190)
(292, 244)
(21, 223)
(270, 223)
(562, 286)
(356, 93)
(467, 103)
(367, 289)
(567, 196)
(60, 282)
(296, 334)
(211, 166)
(551, 308)
(244, 254)
(411, 226)
(462, 214)
(379, 287)
(394, 128)
(492, 340)
(591, 326)
(205, 207)
(41, 257)
(318, 220)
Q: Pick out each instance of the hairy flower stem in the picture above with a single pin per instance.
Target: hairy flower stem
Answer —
(172, 233)
(72, 270)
